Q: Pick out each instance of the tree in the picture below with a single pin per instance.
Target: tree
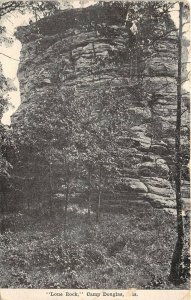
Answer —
(103, 121)
(42, 7)
(155, 32)
(156, 35)
(7, 152)
(72, 134)
(9, 6)
(6, 145)
(177, 264)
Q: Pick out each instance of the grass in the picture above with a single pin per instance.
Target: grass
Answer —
(38, 254)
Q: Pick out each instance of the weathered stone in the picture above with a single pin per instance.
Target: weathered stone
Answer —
(156, 181)
(132, 185)
(160, 201)
(66, 50)
(155, 166)
(161, 66)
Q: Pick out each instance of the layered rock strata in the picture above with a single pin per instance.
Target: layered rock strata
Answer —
(79, 39)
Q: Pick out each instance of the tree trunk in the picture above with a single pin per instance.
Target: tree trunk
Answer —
(99, 196)
(89, 195)
(28, 204)
(2, 225)
(66, 206)
(50, 181)
(35, 15)
(177, 258)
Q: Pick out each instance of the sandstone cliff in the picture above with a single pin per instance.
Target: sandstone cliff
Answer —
(88, 49)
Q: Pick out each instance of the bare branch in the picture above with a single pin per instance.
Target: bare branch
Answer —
(23, 178)
(9, 56)
(185, 23)
(162, 36)
(9, 6)
(187, 93)
(186, 79)
(184, 111)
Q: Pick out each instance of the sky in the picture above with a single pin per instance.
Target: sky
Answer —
(10, 66)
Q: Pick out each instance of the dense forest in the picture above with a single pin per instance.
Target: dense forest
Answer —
(94, 167)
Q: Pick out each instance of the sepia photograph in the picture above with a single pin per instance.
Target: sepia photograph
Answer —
(94, 148)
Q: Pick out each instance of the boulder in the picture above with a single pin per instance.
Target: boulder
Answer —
(132, 185)
(160, 201)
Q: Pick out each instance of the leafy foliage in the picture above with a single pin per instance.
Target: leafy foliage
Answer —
(77, 144)
(36, 7)
(81, 260)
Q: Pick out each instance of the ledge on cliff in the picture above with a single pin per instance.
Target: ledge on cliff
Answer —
(83, 19)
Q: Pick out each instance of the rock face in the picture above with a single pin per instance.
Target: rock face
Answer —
(68, 50)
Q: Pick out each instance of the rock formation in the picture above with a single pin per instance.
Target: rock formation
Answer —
(67, 50)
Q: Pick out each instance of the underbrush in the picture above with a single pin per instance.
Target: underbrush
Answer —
(40, 255)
